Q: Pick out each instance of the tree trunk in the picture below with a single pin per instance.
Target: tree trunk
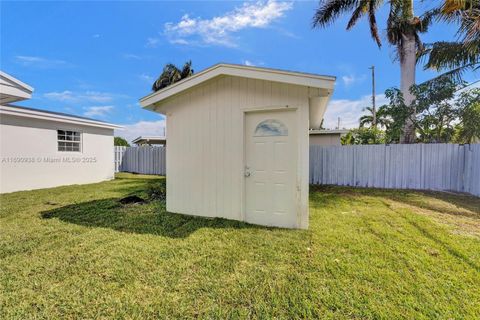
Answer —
(408, 61)
(407, 65)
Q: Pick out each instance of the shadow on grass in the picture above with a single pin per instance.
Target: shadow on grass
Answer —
(434, 201)
(454, 252)
(462, 204)
(148, 218)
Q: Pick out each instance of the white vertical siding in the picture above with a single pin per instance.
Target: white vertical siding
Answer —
(205, 143)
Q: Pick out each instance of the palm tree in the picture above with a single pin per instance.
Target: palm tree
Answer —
(457, 57)
(172, 74)
(381, 118)
(403, 29)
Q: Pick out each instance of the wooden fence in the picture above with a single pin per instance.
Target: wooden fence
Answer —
(442, 167)
(144, 160)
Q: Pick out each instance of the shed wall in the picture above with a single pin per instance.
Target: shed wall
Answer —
(29, 158)
(205, 149)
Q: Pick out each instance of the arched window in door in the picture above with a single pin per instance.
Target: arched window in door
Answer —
(270, 127)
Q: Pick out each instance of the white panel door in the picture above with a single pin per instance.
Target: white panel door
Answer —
(270, 168)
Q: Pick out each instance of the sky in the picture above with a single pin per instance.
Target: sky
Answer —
(97, 59)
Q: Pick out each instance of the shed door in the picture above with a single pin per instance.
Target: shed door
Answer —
(270, 168)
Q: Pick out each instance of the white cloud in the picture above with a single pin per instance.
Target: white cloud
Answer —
(351, 79)
(76, 97)
(219, 30)
(61, 96)
(131, 56)
(152, 42)
(96, 96)
(349, 111)
(179, 41)
(39, 62)
(97, 111)
(251, 63)
(96, 35)
(146, 77)
(142, 128)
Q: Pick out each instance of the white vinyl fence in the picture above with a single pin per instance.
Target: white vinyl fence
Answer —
(442, 167)
(144, 160)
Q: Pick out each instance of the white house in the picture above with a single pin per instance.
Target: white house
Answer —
(41, 149)
(238, 142)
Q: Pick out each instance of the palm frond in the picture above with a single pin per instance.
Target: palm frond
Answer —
(450, 55)
(330, 10)
(373, 22)
(357, 14)
(426, 20)
(171, 74)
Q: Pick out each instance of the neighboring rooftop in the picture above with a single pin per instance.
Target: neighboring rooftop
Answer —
(150, 140)
(329, 131)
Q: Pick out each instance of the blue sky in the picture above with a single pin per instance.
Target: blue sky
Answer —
(98, 58)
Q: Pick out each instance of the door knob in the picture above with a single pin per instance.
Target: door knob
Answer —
(247, 172)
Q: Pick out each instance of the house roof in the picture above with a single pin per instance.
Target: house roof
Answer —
(54, 116)
(328, 131)
(12, 89)
(291, 77)
(150, 139)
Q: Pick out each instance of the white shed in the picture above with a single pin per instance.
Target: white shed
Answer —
(41, 149)
(238, 142)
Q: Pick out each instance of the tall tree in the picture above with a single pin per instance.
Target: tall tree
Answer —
(380, 115)
(456, 57)
(403, 29)
(172, 74)
(119, 141)
(444, 114)
(469, 126)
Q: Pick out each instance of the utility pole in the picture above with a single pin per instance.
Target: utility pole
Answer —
(374, 111)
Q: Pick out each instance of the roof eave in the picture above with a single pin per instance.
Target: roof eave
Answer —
(296, 78)
(16, 81)
(50, 117)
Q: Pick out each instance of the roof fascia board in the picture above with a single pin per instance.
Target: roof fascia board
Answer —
(51, 117)
(295, 78)
(16, 81)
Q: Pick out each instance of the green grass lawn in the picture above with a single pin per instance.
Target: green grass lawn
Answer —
(76, 252)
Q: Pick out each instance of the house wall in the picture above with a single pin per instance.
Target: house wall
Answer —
(205, 157)
(29, 158)
(325, 139)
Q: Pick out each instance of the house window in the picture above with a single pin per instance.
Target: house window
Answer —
(271, 127)
(68, 140)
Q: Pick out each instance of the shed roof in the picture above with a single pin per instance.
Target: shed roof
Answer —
(54, 116)
(291, 77)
